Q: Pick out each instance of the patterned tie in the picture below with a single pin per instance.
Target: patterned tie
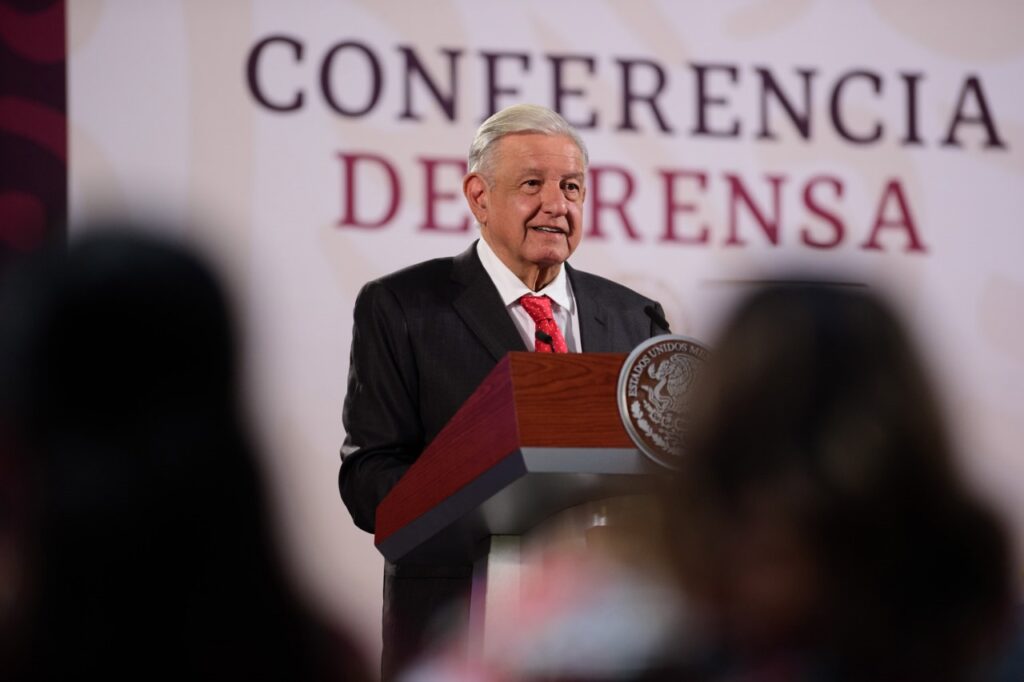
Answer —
(539, 308)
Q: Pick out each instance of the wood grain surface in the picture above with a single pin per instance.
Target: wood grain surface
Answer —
(568, 400)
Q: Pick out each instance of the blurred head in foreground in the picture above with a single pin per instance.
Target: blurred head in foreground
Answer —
(149, 550)
(820, 513)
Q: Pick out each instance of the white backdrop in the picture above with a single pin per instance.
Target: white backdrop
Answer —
(902, 168)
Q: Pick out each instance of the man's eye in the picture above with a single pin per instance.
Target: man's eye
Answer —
(532, 183)
(571, 187)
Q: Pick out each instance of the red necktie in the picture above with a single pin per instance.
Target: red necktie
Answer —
(539, 308)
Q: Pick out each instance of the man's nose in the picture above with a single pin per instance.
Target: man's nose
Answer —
(553, 201)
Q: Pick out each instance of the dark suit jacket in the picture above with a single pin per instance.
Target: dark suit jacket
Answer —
(423, 339)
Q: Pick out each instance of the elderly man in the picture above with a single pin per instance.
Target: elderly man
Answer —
(426, 336)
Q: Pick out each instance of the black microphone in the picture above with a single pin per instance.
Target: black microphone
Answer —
(545, 338)
(657, 318)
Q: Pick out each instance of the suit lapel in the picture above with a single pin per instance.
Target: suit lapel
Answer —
(480, 306)
(594, 333)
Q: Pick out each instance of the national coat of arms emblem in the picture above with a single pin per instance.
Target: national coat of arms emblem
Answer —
(655, 387)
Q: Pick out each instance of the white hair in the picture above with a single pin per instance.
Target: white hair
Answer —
(519, 118)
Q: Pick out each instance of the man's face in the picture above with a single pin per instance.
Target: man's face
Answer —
(531, 210)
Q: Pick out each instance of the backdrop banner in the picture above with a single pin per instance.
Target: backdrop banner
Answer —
(313, 146)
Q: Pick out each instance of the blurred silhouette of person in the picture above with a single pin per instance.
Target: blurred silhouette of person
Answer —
(820, 524)
(150, 551)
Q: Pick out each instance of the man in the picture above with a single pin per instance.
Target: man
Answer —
(426, 336)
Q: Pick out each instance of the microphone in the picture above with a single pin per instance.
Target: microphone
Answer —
(657, 318)
(544, 338)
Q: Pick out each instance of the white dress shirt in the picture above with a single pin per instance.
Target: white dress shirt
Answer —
(511, 289)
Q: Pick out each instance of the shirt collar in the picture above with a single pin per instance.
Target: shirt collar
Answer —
(511, 288)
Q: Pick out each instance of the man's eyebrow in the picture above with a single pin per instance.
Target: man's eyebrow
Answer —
(539, 171)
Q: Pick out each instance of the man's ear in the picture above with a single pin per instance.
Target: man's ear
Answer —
(475, 187)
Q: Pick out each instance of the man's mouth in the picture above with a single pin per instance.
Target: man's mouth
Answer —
(548, 229)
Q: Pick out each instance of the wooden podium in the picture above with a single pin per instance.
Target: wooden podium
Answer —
(540, 435)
